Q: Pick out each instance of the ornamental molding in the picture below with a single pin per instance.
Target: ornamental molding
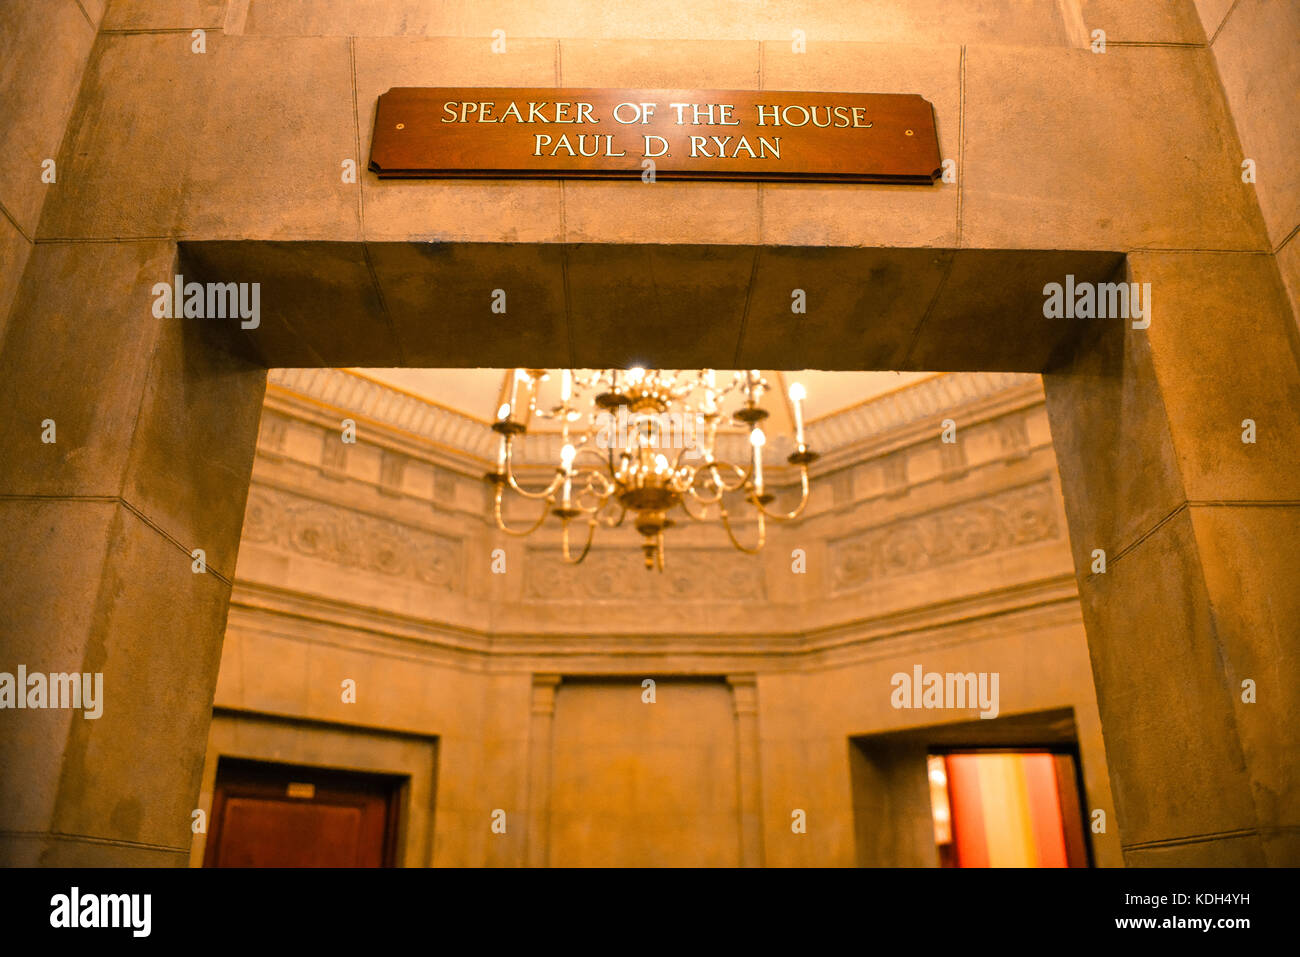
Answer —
(617, 574)
(333, 533)
(355, 394)
(947, 535)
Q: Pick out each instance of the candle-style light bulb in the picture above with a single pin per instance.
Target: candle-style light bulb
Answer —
(503, 413)
(797, 395)
(757, 439)
(566, 386)
(514, 387)
(566, 458)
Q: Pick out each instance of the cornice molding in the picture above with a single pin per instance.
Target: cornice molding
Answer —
(864, 429)
(268, 610)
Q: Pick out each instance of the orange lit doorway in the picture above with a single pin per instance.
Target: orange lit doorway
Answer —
(1001, 808)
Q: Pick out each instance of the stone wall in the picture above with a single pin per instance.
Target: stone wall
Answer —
(44, 47)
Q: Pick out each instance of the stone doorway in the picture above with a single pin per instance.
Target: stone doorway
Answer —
(154, 468)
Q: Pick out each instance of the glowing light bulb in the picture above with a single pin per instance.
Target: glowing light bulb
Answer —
(757, 439)
(566, 456)
(661, 463)
(797, 395)
(503, 413)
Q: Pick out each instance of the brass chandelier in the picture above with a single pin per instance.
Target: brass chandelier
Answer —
(642, 441)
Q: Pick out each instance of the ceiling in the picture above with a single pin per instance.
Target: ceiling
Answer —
(478, 392)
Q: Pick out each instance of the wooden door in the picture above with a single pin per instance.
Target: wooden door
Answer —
(281, 815)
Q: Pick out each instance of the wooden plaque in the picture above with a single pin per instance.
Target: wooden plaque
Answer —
(744, 135)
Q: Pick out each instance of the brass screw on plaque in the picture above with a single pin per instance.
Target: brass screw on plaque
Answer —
(908, 132)
(402, 126)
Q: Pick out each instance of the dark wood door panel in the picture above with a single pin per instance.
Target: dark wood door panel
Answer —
(273, 815)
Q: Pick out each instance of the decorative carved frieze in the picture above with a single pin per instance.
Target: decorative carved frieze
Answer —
(908, 546)
(618, 574)
(336, 534)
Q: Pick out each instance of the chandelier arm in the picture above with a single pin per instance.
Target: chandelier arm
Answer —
(745, 475)
(762, 533)
(616, 522)
(545, 493)
(564, 543)
(803, 501)
(593, 511)
(694, 493)
(501, 524)
(703, 517)
(606, 486)
(701, 499)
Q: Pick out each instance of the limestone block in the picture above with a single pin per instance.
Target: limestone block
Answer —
(1175, 22)
(955, 334)
(14, 250)
(1255, 54)
(649, 65)
(1042, 157)
(359, 18)
(1165, 702)
(91, 300)
(1222, 349)
(170, 15)
(1250, 561)
(662, 305)
(1211, 14)
(251, 143)
(123, 776)
(868, 215)
(1288, 263)
(45, 541)
(865, 301)
(44, 48)
(320, 306)
(1032, 22)
(458, 327)
(1107, 408)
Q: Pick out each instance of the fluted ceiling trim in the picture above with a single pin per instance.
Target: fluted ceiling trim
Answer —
(346, 390)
